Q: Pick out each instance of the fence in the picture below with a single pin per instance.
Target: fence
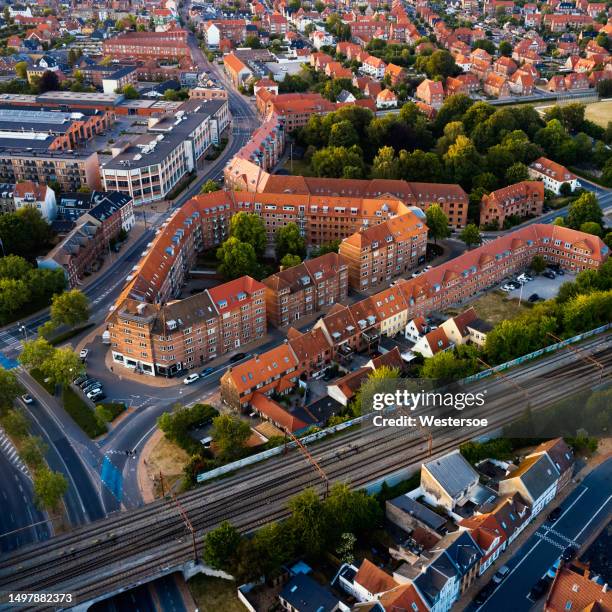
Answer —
(272, 452)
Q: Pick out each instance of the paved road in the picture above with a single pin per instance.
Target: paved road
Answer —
(586, 509)
(17, 495)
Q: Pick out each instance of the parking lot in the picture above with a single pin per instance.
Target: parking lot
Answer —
(546, 288)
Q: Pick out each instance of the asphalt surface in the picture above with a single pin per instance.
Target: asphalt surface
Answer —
(18, 510)
(585, 511)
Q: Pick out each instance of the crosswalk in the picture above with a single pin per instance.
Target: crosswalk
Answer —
(8, 342)
(11, 453)
(556, 538)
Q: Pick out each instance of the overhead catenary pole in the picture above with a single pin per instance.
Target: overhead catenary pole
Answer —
(508, 380)
(584, 356)
(310, 460)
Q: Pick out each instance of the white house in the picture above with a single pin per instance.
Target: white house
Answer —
(553, 174)
(536, 480)
(28, 194)
(415, 329)
(432, 343)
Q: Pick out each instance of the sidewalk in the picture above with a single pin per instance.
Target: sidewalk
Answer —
(604, 451)
(160, 381)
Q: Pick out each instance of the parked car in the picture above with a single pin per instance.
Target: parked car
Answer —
(548, 274)
(553, 515)
(92, 386)
(484, 593)
(237, 357)
(83, 355)
(96, 394)
(524, 278)
(559, 271)
(77, 381)
(569, 553)
(207, 371)
(501, 574)
(514, 284)
(539, 588)
(27, 399)
(191, 378)
(426, 268)
(87, 382)
(552, 571)
(507, 288)
(534, 297)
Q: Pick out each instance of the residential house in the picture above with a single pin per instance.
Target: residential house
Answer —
(307, 288)
(520, 200)
(496, 85)
(561, 455)
(574, 588)
(536, 480)
(27, 194)
(415, 329)
(374, 66)
(431, 92)
(448, 481)
(303, 594)
(466, 328)
(489, 535)
(432, 343)
(553, 174)
(386, 99)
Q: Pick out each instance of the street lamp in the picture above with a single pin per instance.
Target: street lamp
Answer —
(23, 329)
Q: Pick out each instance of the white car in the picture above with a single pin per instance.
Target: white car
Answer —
(191, 378)
(507, 288)
(83, 354)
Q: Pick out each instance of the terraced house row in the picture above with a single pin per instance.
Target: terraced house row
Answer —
(359, 326)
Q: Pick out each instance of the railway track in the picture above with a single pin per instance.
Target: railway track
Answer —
(124, 550)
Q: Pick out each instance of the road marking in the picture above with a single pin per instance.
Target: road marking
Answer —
(591, 519)
(143, 437)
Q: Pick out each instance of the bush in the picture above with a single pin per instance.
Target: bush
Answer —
(81, 413)
(114, 408)
(500, 448)
(178, 423)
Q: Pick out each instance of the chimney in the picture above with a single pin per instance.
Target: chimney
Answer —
(604, 588)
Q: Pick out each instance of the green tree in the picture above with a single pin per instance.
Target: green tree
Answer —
(24, 233)
(385, 164)
(236, 258)
(505, 48)
(15, 267)
(290, 261)
(338, 162)
(70, 308)
(130, 92)
(209, 186)
(439, 64)
(590, 227)
(370, 386)
(49, 488)
(35, 353)
(221, 546)
(230, 435)
(48, 82)
(307, 521)
(249, 227)
(103, 415)
(15, 424)
(538, 264)
(9, 389)
(462, 161)
(350, 511)
(289, 240)
(14, 295)
(584, 208)
(21, 69)
(485, 44)
(343, 134)
(587, 311)
(32, 452)
(63, 366)
(608, 240)
(516, 173)
(437, 223)
(470, 235)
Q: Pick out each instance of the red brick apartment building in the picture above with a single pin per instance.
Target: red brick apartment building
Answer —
(305, 289)
(166, 339)
(248, 176)
(147, 45)
(377, 254)
(357, 327)
(521, 200)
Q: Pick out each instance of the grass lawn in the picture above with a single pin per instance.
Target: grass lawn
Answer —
(81, 413)
(40, 378)
(300, 167)
(213, 594)
(599, 113)
(169, 459)
(493, 307)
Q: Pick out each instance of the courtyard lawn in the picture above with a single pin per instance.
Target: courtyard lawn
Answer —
(599, 113)
(212, 594)
(493, 307)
